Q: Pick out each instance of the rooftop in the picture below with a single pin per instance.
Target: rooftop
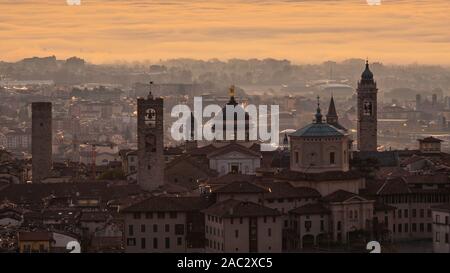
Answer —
(234, 208)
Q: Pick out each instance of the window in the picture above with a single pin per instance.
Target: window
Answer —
(241, 220)
(142, 243)
(131, 242)
(236, 233)
(406, 228)
(149, 215)
(438, 218)
(167, 242)
(400, 228)
(422, 227)
(399, 214)
(269, 232)
(231, 221)
(428, 227)
(414, 227)
(167, 228)
(274, 219)
(422, 213)
(130, 230)
(446, 220)
(137, 215)
(173, 215)
(322, 226)
(308, 226)
(265, 219)
(437, 237)
(339, 225)
(296, 157)
(179, 229)
(429, 213)
(142, 228)
(155, 228)
(414, 213)
(161, 215)
(406, 213)
(332, 158)
(179, 241)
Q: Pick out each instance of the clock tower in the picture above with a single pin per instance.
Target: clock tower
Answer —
(367, 111)
(150, 142)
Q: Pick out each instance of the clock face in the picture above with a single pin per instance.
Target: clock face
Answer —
(150, 117)
(367, 108)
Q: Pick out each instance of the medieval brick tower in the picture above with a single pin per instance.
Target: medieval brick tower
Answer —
(41, 140)
(367, 111)
(150, 142)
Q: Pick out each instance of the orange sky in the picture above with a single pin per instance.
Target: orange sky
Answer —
(397, 31)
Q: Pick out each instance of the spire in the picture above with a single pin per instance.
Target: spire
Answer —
(318, 114)
(367, 74)
(332, 116)
(232, 93)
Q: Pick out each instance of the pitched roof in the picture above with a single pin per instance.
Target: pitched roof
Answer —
(286, 190)
(241, 187)
(233, 147)
(395, 185)
(194, 161)
(35, 193)
(385, 158)
(339, 196)
(169, 204)
(318, 130)
(311, 209)
(234, 208)
(430, 139)
(290, 175)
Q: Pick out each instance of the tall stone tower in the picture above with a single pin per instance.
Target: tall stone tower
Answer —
(150, 142)
(41, 140)
(367, 111)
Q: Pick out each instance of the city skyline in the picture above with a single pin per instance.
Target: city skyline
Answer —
(400, 32)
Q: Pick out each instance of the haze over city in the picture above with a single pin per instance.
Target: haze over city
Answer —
(397, 31)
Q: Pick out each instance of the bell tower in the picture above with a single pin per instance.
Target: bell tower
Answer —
(367, 111)
(150, 142)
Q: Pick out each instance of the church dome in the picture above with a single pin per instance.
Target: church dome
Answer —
(319, 128)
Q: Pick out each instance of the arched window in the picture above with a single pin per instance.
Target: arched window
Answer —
(332, 158)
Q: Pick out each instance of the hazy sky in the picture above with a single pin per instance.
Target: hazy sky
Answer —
(397, 31)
